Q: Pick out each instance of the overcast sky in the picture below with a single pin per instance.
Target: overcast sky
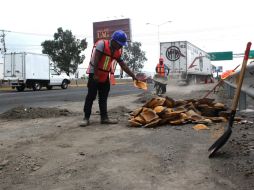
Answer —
(211, 25)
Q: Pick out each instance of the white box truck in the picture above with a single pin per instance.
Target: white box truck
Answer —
(186, 62)
(1, 71)
(31, 70)
(1, 66)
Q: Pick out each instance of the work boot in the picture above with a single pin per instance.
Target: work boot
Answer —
(84, 123)
(109, 121)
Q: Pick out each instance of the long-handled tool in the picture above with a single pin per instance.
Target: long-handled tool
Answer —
(223, 139)
(209, 92)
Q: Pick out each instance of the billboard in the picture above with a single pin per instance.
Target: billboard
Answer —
(104, 29)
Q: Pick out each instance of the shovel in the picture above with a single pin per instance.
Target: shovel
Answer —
(223, 139)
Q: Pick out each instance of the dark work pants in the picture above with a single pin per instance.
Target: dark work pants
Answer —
(93, 88)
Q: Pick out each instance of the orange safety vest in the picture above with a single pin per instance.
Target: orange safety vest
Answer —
(160, 69)
(104, 66)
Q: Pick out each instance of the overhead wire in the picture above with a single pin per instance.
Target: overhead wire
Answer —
(149, 36)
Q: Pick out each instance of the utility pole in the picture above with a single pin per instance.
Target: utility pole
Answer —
(158, 32)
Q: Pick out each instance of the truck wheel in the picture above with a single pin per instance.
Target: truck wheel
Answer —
(20, 88)
(64, 84)
(36, 86)
(49, 87)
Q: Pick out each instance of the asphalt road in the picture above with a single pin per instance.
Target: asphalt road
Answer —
(54, 153)
(10, 99)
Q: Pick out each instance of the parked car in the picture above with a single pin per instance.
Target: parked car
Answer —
(149, 79)
(141, 77)
(144, 78)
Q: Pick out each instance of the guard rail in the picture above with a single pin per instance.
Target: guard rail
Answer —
(247, 86)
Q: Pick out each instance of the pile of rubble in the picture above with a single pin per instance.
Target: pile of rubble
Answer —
(23, 112)
(165, 110)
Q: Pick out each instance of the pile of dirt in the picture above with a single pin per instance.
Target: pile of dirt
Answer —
(120, 113)
(119, 110)
(22, 112)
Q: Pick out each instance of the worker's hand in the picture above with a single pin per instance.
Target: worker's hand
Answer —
(134, 78)
(96, 78)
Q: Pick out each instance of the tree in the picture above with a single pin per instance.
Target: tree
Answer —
(65, 50)
(134, 56)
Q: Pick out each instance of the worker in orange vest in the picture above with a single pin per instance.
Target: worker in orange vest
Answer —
(162, 71)
(104, 54)
(160, 68)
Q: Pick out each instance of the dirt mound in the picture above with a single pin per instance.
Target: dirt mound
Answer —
(22, 112)
(120, 113)
(119, 110)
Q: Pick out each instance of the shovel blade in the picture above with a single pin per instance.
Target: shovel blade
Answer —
(219, 142)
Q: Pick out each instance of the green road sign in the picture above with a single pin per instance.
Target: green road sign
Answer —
(220, 56)
(251, 54)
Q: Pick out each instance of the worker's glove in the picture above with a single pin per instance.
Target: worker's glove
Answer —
(95, 78)
(134, 78)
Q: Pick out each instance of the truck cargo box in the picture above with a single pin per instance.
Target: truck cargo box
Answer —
(25, 66)
(31, 70)
(1, 71)
(186, 61)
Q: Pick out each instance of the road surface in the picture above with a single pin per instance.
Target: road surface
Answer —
(10, 99)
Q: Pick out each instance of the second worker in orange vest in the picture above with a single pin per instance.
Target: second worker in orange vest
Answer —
(162, 70)
(104, 53)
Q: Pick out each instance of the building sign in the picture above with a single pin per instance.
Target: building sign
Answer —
(105, 29)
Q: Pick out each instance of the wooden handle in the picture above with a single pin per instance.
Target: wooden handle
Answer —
(240, 82)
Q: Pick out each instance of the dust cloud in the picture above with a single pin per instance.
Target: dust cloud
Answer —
(185, 90)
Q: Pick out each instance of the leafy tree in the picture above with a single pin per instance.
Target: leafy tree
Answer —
(134, 57)
(65, 50)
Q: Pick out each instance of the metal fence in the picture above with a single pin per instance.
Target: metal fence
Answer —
(247, 87)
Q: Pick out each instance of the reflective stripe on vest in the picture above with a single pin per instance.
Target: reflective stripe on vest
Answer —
(105, 65)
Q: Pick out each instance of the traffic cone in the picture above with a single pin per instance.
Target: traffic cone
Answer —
(112, 79)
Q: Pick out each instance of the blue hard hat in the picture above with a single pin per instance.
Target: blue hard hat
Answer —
(120, 37)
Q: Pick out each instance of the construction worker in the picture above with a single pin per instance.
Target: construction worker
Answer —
(162, 71)
(103, 54)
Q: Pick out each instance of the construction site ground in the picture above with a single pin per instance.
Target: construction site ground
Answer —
(51, 152)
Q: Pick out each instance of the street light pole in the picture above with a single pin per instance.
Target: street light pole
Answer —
(158, 31)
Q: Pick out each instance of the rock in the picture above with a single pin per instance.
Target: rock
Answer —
(35, 168)
(81, 153)
(4, 163)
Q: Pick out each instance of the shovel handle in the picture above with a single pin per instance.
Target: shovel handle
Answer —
(240, 82)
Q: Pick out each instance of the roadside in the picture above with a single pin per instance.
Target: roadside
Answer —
(74, 83)
(54, 153)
